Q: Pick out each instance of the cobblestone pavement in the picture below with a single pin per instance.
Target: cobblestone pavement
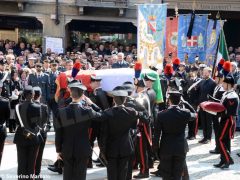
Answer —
(200, 162)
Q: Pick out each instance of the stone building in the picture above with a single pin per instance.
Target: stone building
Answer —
(58, 18)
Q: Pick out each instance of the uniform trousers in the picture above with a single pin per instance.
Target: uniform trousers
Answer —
(216, 125)
(224, 138)
(172, 166)
(206, 122)
(39, 156)
(75, 168)
(117, 168)
(142, 151)
(2, 140)
(26, 156)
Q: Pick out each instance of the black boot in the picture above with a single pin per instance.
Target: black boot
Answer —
(219, 165)
(141, 176)
(225, 165)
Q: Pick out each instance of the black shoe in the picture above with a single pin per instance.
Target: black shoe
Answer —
(231, 162)
(141, 176)
(55, 169)
(201, 141)
(97, 160)
(90, 165)
(219, 165)
(156, 173)
(51, 165)
(225, 166)
(206, 141)
(191, 138)
(100, 165)
(214, 151)
(238, 154)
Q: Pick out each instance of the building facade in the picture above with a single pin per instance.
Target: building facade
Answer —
(56, 18)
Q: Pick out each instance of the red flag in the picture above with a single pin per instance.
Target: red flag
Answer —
(171, 35)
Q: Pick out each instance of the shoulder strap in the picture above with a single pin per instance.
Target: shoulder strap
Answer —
(4, 77)
(18, 115)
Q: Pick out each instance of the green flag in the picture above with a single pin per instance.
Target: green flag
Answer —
(222, 49)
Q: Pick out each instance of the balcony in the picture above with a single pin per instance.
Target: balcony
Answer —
(103, 3)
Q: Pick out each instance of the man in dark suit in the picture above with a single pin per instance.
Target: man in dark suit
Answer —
(27, 138)
(171, 125)
(204, 88)
(121, 63)
(72, 138)
(45, 126)
(5, 114)
(42, 80)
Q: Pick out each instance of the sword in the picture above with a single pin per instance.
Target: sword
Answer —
(100, 158)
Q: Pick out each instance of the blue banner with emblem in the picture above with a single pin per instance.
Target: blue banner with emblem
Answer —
(151, 34)
(190, 47)
(213, 32)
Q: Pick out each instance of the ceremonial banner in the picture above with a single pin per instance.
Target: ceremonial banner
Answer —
(151, 34)
(213, 32)
(171, 36)
(196, 44)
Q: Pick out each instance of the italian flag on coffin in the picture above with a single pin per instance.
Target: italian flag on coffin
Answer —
(110, 79)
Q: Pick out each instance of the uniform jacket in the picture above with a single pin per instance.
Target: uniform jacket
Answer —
(43, 82)
(30, 115)
(72, 124)
(118, 122)
(44, 122)
(53, 85)
(171, 125)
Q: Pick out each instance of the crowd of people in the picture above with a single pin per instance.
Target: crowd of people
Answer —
(28, 105)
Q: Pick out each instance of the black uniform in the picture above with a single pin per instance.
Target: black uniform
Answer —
(5, 114)
(230, 101)
(144, 140)
(117, 145)
(191, 126)
(72, 139)
(99, 97)
(173, 145)
(218, 92)
(27, 148)
(206, 87)
(45, 126)
(133, 103)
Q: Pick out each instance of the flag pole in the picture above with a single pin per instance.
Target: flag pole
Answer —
(215, 59)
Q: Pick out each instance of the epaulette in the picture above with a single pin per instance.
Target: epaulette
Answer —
(232, 95)
(4, 98)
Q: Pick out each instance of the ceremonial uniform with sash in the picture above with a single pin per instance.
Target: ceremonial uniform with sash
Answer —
(27, 137)
(217, 95)
(227, 126)
(144, 140)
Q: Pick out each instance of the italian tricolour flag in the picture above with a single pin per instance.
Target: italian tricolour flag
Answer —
(222, 48)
